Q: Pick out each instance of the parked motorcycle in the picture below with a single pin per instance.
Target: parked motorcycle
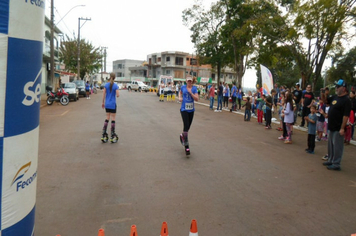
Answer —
(61, 96)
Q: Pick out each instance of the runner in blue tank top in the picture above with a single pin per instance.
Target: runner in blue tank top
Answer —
(110, 93)
(187, 95)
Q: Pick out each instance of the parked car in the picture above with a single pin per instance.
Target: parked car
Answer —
(81, 87)
(72, 90)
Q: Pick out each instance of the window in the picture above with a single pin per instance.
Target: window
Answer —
(179, 61)
(187, 59)
(159, 59)
(168, 72)
(213, 76)
(119, 66)
(168, 58)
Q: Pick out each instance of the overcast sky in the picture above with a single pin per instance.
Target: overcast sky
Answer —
(129, 29)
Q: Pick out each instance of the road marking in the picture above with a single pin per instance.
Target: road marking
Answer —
(65, 113)
(353, 184)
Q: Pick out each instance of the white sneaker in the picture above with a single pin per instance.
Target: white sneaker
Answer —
(220, 110)
(89, 97)
(216, 111)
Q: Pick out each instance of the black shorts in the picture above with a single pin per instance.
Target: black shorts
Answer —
(111, 110)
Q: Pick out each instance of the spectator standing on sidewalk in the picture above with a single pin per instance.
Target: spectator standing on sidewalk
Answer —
(239, 96)
(297, 97)
(269, 104)
(288, 117)
(261, 103)
(307, 101)
(211, 96)
(247, 106)
(220, 97)
(312, 119)
(233, 97)
(339, 111)
(353, 108)
(226, 96)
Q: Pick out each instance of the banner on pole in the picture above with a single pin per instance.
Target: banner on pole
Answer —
(267, 80)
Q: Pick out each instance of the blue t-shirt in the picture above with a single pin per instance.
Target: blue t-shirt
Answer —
(227, 92)
(239, 95)
(87, 86)
(233, 91)
(188, 101)
(110, 97)
(312, 126)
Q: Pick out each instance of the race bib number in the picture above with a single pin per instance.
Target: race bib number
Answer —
(189, 106)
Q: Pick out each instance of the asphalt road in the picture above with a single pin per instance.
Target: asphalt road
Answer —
(239, 179)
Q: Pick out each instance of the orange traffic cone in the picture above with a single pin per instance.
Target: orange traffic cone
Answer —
(133, 231)
(164, 230)
(193, 228)
(101, 232)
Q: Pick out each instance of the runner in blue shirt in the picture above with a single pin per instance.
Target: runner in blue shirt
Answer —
(110, 93)
(87, 89)
(187, 95)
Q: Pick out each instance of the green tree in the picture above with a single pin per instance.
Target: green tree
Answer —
(312, 29)
(344, 66)
(90, 57)
(206, 34)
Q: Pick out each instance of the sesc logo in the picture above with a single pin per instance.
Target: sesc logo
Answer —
(32, 95)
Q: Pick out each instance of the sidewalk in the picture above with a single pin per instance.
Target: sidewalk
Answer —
(275, 118)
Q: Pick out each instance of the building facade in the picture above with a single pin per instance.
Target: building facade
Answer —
(177, 64)
(46, 77)
(122, 72)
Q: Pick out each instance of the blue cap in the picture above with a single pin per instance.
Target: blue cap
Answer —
(341, 83)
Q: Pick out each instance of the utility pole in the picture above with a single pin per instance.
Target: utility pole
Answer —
(79, 26)
(103, 65)
(52, 44)
(105, 58)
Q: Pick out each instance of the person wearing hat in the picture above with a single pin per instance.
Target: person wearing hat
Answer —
(187, 95)
(297, 97)
(338, 114)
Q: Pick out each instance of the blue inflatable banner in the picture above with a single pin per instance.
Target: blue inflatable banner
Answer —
(21, 45)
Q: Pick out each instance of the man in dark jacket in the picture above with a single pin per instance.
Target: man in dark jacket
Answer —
(307, 101)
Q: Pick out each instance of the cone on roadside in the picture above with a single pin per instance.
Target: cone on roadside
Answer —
(133, 231)
(164, 229)
(193, 228)
(101, 232)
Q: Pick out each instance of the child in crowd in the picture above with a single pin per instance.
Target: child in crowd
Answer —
(247, 109)
(320, 122)
(348, 128)
(269, 105)
(288, 117)
(253, 104)
(281, 107)
(261, 103)
(311, 119)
